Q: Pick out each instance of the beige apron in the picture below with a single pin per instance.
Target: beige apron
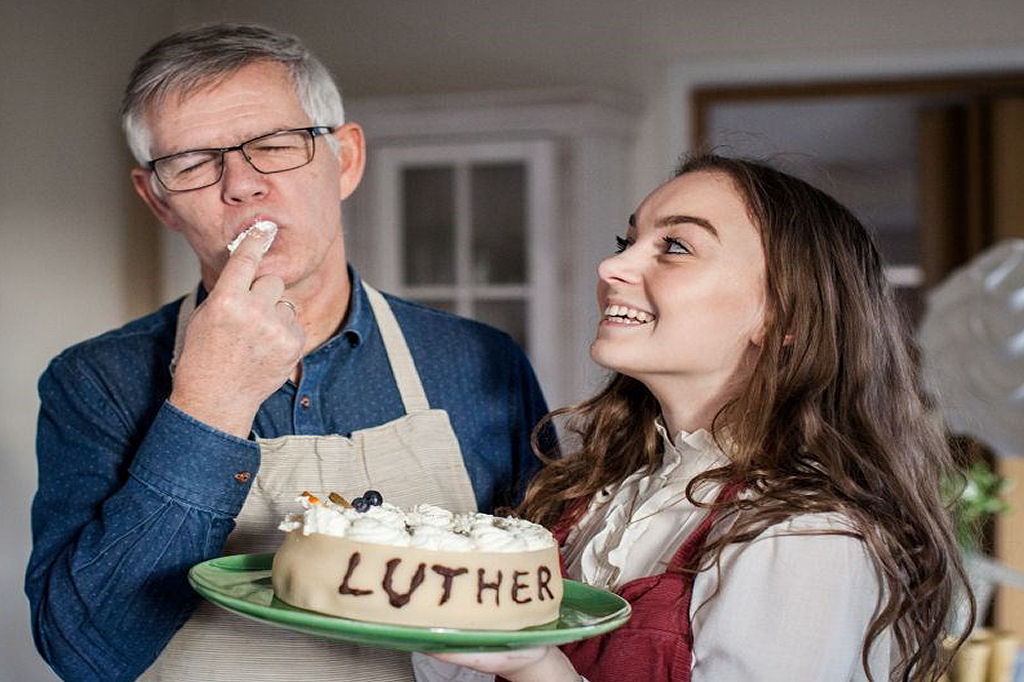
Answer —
(410, 460)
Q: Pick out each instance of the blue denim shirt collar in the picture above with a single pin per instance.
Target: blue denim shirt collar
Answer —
(359, 320)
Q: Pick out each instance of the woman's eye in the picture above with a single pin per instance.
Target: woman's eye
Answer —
(621, 244)
(673, 245)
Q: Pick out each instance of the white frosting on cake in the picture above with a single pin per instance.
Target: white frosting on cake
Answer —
(424, 526)
(267, 226)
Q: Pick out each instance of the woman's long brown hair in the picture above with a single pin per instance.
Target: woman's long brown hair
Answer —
(832, 419)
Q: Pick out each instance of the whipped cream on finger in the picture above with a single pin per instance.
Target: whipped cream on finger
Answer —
(266, 226)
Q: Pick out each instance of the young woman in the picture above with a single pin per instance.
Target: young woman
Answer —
(759, 478)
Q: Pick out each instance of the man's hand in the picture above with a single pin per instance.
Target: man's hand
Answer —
(241, 344)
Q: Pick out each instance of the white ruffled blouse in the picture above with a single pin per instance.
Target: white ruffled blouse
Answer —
(790, 608)
(632, 529)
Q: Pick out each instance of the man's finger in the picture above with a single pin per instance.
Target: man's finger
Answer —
(240, 270)
(268, 288)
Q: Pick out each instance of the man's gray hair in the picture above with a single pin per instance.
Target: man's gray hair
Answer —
(188, 60)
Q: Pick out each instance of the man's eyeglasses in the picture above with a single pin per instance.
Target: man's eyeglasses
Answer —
(272, 153)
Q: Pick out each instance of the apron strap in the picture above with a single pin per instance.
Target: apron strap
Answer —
(408, 379)
(185, 310)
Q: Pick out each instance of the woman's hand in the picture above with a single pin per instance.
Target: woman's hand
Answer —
(541, 664)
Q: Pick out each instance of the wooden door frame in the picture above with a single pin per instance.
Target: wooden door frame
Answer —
(703, 98)
(686, 77)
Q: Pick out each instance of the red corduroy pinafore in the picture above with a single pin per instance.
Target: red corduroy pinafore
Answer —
(655, 645)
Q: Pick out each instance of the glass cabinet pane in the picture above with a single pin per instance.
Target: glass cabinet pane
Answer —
(509, 316)
(498, 212)
(428, 216)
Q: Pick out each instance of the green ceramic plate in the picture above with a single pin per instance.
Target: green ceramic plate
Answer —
(241, 584)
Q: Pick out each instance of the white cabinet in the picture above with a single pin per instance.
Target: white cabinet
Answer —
(469, 228)
(498, 207)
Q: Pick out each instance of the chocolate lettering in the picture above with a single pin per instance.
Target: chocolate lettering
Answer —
(449, 575)
(353, 561)
(516, 586)
(481, 585)
(543, 578)
(397, 599)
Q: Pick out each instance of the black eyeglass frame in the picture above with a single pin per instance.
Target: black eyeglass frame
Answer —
(314, 132)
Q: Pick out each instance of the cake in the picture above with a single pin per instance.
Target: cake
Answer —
(427, 567)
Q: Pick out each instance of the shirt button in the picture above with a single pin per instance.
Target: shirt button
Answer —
(243, 477)
(305, 402)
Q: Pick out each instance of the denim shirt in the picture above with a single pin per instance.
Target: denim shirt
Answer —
(133, 492)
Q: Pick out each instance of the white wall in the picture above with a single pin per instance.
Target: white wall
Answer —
(76, 250)
(70, 239)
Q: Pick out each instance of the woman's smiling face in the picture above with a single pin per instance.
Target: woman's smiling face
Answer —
(683, 299)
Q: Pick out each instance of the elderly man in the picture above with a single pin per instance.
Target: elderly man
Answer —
(188, 433)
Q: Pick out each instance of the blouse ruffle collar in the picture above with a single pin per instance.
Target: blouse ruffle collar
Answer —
(630, 508)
